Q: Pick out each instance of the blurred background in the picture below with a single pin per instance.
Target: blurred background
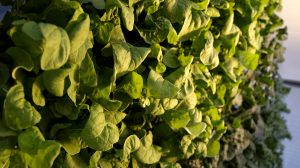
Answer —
(290, 71)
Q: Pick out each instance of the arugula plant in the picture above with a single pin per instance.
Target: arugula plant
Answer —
(141, 83)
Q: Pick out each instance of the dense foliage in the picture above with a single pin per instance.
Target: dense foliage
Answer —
(141, 83)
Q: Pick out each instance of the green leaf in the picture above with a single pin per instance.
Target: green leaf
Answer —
(37, 89)
(97, 4)
(18, 112)
(78, 30)
(109, 105)
(160, 88)
(131, 144)
(55, 43)
(5, 131)
(187, 146)
(127, 57)
(169, 103)
(30, 140)
(87, 72)
(254, 36)
(147, 153)
(5, 158)
(114, 116)
(54, 81)
(176, 10)
(158, 29)
(104, 84)
(213, 12)
(194, 21)
(75, 161)
(231, 66)
(209, 55)
(176, 119)
(105, 31)
(97, 133)
(66, 107)
(228, 25)
(195, 129)
(22, 60)
(133, 84)
(42, 153)
(248, 59)
(127, 16)
(71, 141)
(213, 148)
(95, 159)
(171, 58)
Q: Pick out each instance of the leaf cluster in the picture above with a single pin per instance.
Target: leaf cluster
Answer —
(141, 83)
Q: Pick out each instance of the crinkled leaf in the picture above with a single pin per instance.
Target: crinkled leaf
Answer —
(18, 112)
(48, 44)
(131, 144)
(105, 31)
(147, 153)
(71, 142)
(127, 16)
(158, 87)
(209, 55)
(114, 116)
(158, 30)
(54, 81)
(56, 47)
(22, 60)
(78, 30)
(127, 57)
(231, 66)
(53, 42)
(42, 153)
(194, 21)
(97, 133)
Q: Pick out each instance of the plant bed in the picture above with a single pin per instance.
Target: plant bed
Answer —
(141, 83)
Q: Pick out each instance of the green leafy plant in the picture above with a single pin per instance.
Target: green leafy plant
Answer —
(141, 83)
